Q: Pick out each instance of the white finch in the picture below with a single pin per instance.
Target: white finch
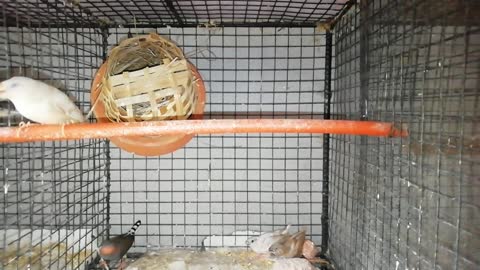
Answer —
(39, 101)
(262, 243)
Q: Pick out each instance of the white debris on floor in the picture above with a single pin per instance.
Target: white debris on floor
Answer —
(216, 259)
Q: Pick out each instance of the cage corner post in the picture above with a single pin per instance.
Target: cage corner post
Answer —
(105, 34)
(326, 143)
(107, 175)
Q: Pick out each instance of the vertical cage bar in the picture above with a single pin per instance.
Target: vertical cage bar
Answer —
(174, 12)
(326, 140)
(361, 189)
(106, 146)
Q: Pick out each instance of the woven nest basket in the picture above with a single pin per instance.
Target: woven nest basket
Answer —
(147, 78)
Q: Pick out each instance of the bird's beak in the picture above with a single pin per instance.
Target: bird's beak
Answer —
(2, 87)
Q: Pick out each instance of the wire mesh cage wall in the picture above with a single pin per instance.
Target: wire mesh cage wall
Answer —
(408, 203)
(54, 193)
(220, 184)
(373, 203)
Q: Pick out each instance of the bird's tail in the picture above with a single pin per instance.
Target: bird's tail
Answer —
(300, 235)
(285, 231)
(134, 227)
(304, 228)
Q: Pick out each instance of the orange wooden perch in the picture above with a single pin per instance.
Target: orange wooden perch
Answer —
(36, 132)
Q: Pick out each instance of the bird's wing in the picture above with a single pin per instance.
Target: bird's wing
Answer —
(299, 235)
(280, 239)
(64, 104)
(285, 231)
(64, 111)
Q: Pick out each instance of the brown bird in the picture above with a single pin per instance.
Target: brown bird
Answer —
(289, 246)
(310, 250)
(112, 250)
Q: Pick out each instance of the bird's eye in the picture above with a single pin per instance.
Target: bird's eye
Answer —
(14, 85)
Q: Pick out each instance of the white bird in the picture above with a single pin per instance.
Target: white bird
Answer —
(40, 102)
(261, 244)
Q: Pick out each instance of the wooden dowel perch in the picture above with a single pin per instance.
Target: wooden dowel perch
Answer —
(36, 132)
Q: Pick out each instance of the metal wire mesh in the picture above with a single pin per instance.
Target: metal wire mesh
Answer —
(174, 12)
(392, 203)
(407, 203)
(220, 184)
(53, 203)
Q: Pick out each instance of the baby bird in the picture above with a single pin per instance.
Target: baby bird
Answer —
(113, 249)
(289, 246)
(261, 244)
(40, 102)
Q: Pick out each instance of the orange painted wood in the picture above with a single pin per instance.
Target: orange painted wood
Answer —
(36, 132)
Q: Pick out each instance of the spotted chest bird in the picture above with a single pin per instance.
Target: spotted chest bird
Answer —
(112, 250)
(40, 102)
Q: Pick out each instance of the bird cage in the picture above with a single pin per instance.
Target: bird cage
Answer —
(399, 201)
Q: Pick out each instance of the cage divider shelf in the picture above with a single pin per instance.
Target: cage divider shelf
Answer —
(36, 132)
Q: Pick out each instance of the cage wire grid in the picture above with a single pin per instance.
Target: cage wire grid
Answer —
(53, 192)
(179, 13)
(407, 203)
(219, 184)
(388, 203)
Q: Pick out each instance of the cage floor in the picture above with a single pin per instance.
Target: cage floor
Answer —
(215, 259)
(218, 252)
(42, 249)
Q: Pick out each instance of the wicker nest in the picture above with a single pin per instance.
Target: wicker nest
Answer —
(148, 78)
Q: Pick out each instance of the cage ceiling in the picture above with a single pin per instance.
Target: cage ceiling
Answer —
(171, 12)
